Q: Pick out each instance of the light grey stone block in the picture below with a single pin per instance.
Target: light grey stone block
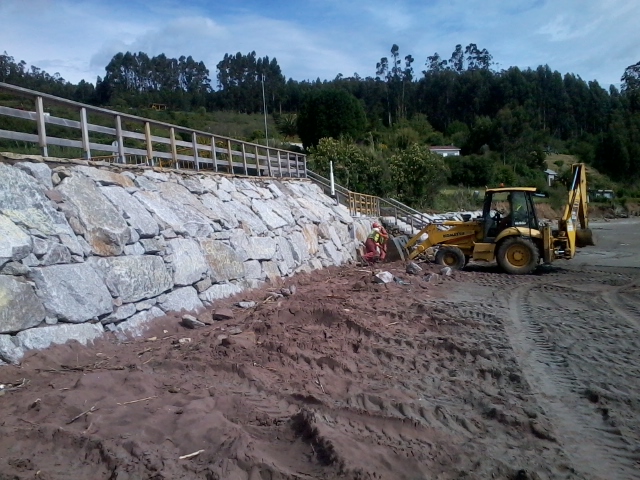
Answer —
(261, 248)
(132, 210)
(267, 214)
(39, 171)
(285, 251)
(170, 209)
(220, 210)
(300, 248)
(14, 268)
(153, 245)
(72, 243)
(121, 313)
(15, 244)
(23, 201)
(188, 261)
(75, 293)
(223, 262)
(225, 185)
(185, 298)
(56, 254)
(134, 278)
(139, 323)
(135, 249)
(253, 270)
(106, 230)
(40, 338)
(217, 292)
(20, 308)
(246, 217)
(271, 271)
(10, 351)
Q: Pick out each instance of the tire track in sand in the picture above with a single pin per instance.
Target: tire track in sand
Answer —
(556, 347)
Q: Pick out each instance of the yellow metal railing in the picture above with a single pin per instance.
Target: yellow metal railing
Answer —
(368, 205)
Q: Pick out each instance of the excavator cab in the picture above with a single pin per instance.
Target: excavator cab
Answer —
(506, 208)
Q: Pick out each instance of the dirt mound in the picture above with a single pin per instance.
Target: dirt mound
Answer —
(343, 379)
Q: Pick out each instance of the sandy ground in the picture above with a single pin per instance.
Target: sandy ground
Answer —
(483, 375)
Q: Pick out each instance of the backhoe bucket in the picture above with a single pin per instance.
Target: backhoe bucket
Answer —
(584, 238)
(396, 248)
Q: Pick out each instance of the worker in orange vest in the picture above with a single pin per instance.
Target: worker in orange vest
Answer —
(376, 244)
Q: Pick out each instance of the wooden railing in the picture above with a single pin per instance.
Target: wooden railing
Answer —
(125, 137)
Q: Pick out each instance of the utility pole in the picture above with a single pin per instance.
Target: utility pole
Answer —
(264, 105)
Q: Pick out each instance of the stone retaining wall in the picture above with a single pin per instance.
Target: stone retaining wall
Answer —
(84, 249)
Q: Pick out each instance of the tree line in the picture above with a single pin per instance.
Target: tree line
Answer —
(513, 115)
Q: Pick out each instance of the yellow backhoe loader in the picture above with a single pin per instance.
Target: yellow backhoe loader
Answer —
(508, 231)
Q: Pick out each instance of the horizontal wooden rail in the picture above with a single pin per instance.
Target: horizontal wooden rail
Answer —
(159, 143)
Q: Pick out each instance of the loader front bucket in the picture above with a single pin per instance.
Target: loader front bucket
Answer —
(396, 248)
(584, 238)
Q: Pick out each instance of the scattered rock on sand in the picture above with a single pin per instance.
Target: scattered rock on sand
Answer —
(432, 278)
(383, 277)
(446, 271)
(246, 304)
(223, 314)
(190, 321)
(413, 268)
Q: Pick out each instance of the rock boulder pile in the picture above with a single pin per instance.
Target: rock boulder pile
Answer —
(83, 249)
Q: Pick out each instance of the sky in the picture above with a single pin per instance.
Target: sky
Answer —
(595, 39)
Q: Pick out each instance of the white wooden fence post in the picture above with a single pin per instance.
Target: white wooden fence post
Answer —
(85, 133)
(42, 131)
(194, 138)
(120, 139)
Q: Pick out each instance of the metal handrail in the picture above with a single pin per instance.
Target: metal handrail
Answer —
(205, 150)
(371, 205)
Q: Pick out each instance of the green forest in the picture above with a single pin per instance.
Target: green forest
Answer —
(511, 124)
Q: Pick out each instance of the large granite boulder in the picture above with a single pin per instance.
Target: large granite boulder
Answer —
(15, 244)
(185, 298)
(219, 210)
(189, 264)
(105, 229)
(180, 218)
(23, 201)
(299, 247)
(74, 293)
(222, 290)
(267, 214)
(137, 324)
(20, 308)
(223, 262)
(246, 217)
(40, 338)
(10, 350)
(132, 210)
(39, 171)
(134, 278)
(261, 248)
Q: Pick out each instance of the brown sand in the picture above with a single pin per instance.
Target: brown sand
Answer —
(344, 379)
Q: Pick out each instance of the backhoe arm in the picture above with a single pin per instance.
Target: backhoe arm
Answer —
(577, 207)
(576, 213)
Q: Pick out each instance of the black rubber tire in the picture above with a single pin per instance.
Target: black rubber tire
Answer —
(450, 257)
(518, 256)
